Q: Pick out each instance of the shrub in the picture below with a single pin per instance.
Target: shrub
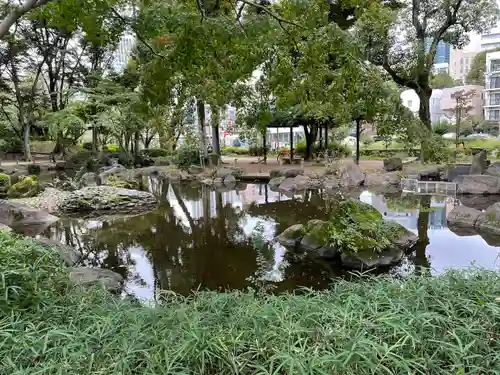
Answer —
(155, 152)
(121, 157)
(87, 146)
(438, 151)
(4, 183)
(80, 157)
(34, 169)
(187, 155)
(13, 145)
(232, 150)
(111, 148)
(26, 188)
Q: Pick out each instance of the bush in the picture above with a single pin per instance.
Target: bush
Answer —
(155, 152)
(438, 151)
(417, 325)
(87, 146)
(111, 148)
(80, 157)
(187, 155)
(233, 150)
(336, 148)
(4, 184)
(34, 169)
(26, 188)
(121, 157)
(441, 128)
(11, 145)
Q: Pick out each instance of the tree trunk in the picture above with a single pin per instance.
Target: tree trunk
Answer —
(264, 145)
(94, 139)
(215, 131)
(358, 133)
(26, 142)
(310, 135)
(424, 113)
(200, 107)
(420, 260)
(136, 143)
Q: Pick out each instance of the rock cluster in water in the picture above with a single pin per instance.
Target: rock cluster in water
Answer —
(314, 239)
(467, 221)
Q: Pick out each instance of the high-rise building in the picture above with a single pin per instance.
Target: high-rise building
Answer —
(460, 63)
(491, 40)
(492, 89)
(442, 52)
(123, 52)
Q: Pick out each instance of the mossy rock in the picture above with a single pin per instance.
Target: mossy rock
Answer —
(26, 188)
(115, 181)
(4, 184)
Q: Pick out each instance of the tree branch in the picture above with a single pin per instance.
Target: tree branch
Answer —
(271, 13)
(17, 13)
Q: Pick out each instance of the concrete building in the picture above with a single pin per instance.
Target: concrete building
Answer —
(492, 89)
(448, 102)
(123, 52)
(490, 40)
(460, 62)
(410, 99)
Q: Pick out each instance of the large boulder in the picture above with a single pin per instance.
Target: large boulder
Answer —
(462, 216)
(297, 183)
(479, 202)
(291, 236)
(96, 199)
(313, 243)
(23, 218)
(69, 255)
(293, 172)
(393, 164)
(351, 175)
(276, 173)
(479, 163)
(223, 172)
(493, 169)
(47, 201)
(275, 182)
(230, 181)
(87, 277)
(478, 184)
(195, 169)
(384, 179)
(89, 179)
(489, 220)
(106, 172)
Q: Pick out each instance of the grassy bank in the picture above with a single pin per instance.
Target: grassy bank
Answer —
(441, 325)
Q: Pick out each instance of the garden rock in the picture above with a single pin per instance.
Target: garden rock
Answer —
(463, 216)
(478, 184)
(60, 166)
(113, 171)
(275, 182)
(230, 181)
(69, 255)
(276, 173)
(351, 175)
(493, 169)
(291, 236)
(293, 172)
(479, 163)
(218, 182)
(89, 179)
(14, 214)
(295, 184)
(87, 277)
(393, 164)
(5, 228)
(95, 200)
(384, 179)
(223, 172)
(479, 202)
(489, 220)
(195, 169)
(331, 183)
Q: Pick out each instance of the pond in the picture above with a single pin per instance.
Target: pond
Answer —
(203, 239)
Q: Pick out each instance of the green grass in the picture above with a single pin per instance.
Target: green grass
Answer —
(422, 325)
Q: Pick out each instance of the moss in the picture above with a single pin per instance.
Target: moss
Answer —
(117, 182)
(4, 184)
(25, 188)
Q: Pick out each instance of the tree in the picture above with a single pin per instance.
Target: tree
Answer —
(443, 80)
(405, 42)
(463, 104)
(17, 11)
(475, 76)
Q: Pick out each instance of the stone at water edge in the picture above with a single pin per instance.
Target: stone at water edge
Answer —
(105, 198)
(86, 277)
(478, 184)
(493, 169)
(463, 216)
(479, 163)
(489, 220)
(276, 173)
(195, 169)
(393, 164)
(275, 182)
(230, 181)
(89, 179)
(5, 228)
(14, 214)
(350, 175)
(293, 172)
(295, 184)
(384, 179)
(291, 236)
(313, 245)
(69, 255)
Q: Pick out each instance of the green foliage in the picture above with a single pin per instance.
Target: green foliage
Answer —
(34, 169)
(443, 80)
(187, 155)
(422, 325)
(13, 145)
(255, 150)
(337, 149)
(438, 150)
(117, 182)
(441, 127)
(358, 227)
(4, 184)
(111, 148)
(25, 188)
(163, 161)
(233, 150)
(475, 76)
(155, 152)
(80, 157)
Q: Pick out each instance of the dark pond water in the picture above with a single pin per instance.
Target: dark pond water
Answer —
(201, 239)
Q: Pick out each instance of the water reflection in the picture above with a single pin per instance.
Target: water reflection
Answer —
(203, 239)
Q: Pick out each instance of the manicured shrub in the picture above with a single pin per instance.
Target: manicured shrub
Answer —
(4, 184)
(25, 188)
(34, 169)
(155, 152)
(187, 155)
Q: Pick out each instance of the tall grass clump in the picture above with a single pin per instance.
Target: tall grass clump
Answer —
(422, 325)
